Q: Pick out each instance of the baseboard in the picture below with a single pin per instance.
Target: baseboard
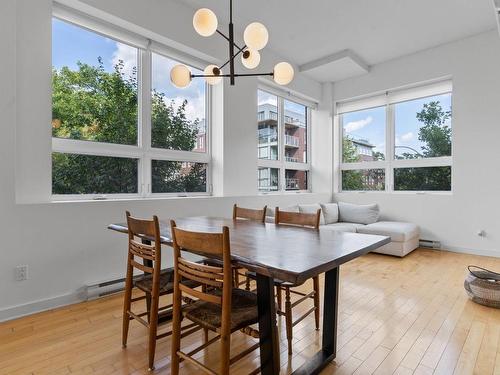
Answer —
(19, 311)
(466, 250)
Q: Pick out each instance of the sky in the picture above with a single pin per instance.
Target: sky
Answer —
(264, 97)
(369, 124)
(71, 44)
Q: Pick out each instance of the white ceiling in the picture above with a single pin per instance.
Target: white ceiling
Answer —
(375, 30)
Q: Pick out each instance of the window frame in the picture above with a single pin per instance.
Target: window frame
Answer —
(281, 164)
(143, 151)
(391, 163)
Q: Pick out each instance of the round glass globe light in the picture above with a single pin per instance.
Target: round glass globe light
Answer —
(180, 75)
(256, 36)
(209, 70)
(205, 22)
(253, 59)
(283, 73)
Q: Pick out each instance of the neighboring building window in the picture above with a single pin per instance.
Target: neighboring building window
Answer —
(106, 141)
(418, 155)
(282, 143)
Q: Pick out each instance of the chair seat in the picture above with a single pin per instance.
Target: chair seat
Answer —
(277, 282)
(208, 315)
(145, 283)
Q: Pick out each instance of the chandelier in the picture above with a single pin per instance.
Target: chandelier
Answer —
(255, 37)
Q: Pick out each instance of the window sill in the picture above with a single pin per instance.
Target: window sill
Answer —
(136, 199)
(445, 193)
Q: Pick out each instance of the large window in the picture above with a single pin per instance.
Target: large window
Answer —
(119, 127)
(400, 141)
(283, 144)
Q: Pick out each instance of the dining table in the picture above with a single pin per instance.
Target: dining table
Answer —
(289, 254)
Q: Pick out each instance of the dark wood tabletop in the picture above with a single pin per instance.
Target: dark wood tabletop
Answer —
(288, 253)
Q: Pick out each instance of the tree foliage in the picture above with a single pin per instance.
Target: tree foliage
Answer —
(94, 105)
(435, 135)
(367, 179)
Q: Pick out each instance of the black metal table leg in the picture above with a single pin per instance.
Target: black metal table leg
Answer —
(330, 316)
(268, 332)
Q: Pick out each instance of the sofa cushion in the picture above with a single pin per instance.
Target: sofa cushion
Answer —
(330, 212)
(312, 209)
(270, 210)
(398, 231)
(359, 213)
(341, 227)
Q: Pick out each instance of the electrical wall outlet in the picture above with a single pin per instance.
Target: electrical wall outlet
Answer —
(481, 233)
(21, 272)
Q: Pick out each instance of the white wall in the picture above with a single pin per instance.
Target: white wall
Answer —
(67, 245)
(474, 64)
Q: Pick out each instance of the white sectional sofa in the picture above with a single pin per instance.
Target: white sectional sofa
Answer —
(348, 217)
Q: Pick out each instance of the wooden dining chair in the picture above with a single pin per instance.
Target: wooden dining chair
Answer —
(243, 214)
(246, 214)
(304, 220)
(249, 213)
(220, 307)
(154, 282)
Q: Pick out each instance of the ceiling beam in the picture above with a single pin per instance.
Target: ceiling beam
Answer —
(346, 53)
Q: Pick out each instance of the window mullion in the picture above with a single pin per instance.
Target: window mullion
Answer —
(144, 141)
(281, 143)
(390, 147)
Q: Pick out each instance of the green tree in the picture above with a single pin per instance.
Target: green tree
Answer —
(371, 179)
(435, 135)
(91, 104)
(351, 179)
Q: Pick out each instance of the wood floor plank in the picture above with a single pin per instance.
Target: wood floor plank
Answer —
(396, 316)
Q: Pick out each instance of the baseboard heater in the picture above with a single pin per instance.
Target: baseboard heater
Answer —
(106, 288)
(430, 244)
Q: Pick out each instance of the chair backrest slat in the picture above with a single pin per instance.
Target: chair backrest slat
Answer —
(209, 244)
(297, 218)
(147, 253)
(249, 214)
(201, 295)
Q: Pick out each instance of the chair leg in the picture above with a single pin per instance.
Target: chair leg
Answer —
(316, 301)
(288, 319)
(176, 332)
(225, 344)
(153, 329)
(126, 306)
(148, 305)
(279, 297)
(205, 335)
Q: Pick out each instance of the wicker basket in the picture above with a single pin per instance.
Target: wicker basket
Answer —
(483, 286)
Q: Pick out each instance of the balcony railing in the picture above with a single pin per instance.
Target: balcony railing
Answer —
(263, 116)
(294, 122)
(292, 183)
(292, 159)
(290, 140)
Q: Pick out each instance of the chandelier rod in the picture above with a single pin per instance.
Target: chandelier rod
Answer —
(237, 53)
(229, 75)
(226, 37)
(231, 43)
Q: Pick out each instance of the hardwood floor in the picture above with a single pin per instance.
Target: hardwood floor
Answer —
(396, 316)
